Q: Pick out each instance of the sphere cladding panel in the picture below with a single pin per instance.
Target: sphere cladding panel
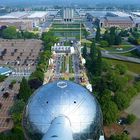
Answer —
(63, 98)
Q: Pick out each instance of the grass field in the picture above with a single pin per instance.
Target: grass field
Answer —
(114, 48)
(67, 30)
(133, 67)
(67, 26)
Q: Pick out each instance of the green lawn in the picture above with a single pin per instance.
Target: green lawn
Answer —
(67, 30)
(67, 26)
(70, 65)
(114, 48)
(63, 66)
(131, 66)
(130, 54)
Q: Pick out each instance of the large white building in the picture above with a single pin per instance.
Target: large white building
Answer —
(68, 15)
(23, 20)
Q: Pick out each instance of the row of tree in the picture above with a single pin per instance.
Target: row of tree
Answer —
(111, 84)
(27, 87)
(12, 33)
(111, 36)
(37, 77)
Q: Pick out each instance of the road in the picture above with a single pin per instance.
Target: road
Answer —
(58, 63)
(76, 62)
(120, 57)
(89, 28)
(121, 52)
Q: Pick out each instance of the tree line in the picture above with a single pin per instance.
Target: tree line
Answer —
(12, 33)
(111, 84)
(27, 87)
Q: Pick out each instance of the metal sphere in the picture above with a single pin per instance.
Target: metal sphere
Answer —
(63, 99)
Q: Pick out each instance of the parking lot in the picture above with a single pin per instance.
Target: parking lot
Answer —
(21, 55)
(6, 102)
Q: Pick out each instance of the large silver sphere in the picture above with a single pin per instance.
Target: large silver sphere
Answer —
(63, 99)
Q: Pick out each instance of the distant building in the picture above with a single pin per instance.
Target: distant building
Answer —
(122, 22)
(63, 49)
(68, 15)
(24, 20)
(137, 22)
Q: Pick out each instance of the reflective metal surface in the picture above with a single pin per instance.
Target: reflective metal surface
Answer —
(63, 99)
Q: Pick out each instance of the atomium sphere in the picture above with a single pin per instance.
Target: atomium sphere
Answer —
(62, 110)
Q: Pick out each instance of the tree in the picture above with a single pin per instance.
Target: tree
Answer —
(122, 136)
(98, 63)
(131, 91)
(35, 83)
(85, 33)
(116, 82)
(38, 75)
(25, 91)
(110, 112)
(84, 51)
(29, 35)
(97, 37)
(2, 78)
(122, 100)
(93, 50)
(121, 68)
(17, 107)
(118, 39)
(137, 86)
(131, 118)
(104, 43)
(9, 33)
(16, 111)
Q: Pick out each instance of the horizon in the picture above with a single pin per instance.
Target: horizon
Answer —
(68, 2)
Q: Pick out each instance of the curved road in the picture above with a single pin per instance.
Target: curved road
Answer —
(120, 57)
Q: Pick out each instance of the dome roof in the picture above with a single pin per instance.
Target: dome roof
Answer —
(63, 98)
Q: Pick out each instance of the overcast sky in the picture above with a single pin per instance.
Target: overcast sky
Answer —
(72, 1)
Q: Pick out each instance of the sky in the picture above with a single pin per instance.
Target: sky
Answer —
(70, 1)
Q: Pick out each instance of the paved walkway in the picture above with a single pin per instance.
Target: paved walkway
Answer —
(48, 76)
(134, 108)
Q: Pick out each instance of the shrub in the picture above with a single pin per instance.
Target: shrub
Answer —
(131, 118)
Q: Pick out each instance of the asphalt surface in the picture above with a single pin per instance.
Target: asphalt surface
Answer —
(120, 57)
(58, 62)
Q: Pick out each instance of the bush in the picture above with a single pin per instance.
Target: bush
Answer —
(131, 92)
(121, 68)
(137, 86)
(119, 137)
(122, 100)
(131, 118)
(104, 43)
(2, 78)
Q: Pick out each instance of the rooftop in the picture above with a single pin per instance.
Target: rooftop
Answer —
(119, 19)
(4, 70)
(37, 14)
(136, 13)
(15, 15)
(120, 14)
(21, 15)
